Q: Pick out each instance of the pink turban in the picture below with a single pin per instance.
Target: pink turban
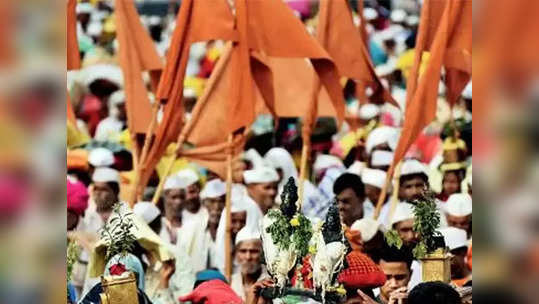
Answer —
(77, 197)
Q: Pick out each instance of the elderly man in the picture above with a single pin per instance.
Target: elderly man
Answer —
(350, 194)
(262, 184)
(396, 265)
(213, 198)
(193, 209)
(458, 212)
(248, 256)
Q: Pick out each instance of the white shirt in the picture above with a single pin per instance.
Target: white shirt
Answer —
(236, 282)
(368, 208)
(200, 218)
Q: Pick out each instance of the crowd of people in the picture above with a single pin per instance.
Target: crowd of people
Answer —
(187, 224)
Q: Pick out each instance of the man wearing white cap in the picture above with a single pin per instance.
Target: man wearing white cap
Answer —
(193, 209)
(457, 242)
(213, 198)
(105, 191)
(458, 211)
(374, 181)
(403, 222)
(413, 181)
(248, 256)
(109, 128)
(262, 186)
(382, 138)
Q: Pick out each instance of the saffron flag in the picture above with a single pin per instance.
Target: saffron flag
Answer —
(137, 53)
(444, 31)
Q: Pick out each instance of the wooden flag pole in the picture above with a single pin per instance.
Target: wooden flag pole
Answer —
(168, 169)
(395, 196)
(303, 168)
(228, 237)
(383, 194)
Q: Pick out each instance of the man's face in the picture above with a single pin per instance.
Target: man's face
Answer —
(412, 189)
(451, 183)
(397, 276)
(248, 256)
(237, 221)
(104, 196)
(350, 206)
(192, 198)
(461, 222)
(372, 193)
(174, 201)
(405, 229)
(458, 263)
(264, 194)
(215, 206)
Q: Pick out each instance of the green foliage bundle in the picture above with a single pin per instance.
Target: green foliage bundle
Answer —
(285, 234)
(117, 233)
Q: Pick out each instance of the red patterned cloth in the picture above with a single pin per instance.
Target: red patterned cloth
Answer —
(212, 292)
(362, 272)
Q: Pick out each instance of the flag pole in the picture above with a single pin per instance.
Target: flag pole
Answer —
(383, 194)
(228, 237)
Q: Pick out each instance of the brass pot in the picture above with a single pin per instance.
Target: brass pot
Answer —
(436, 266)
(117, 290)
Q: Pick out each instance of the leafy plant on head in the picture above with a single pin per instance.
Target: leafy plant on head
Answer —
(117, 233)
(426, 223)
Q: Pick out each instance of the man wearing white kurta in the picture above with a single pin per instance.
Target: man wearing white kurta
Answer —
(248, 256)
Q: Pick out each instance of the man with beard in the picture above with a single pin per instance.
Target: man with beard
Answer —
(262, 184)
(457, 242)
(213, 198)
(248, 255)
(105, 191)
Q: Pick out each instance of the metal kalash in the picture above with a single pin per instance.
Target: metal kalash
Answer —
(119, 290)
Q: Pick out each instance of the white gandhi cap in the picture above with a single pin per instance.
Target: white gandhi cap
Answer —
(403, 212)
(101, 157)
(260, 175)
(459, 204)
(454, 237)
(213, 189)
(106, 175)
(367, 227)
(374, 177)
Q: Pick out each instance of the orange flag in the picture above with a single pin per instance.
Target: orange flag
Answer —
(344, 42)
(137, 53)
(445, 31)
(260, 27)
(73, 55)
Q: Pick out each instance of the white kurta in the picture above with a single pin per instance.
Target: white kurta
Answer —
(236, 282)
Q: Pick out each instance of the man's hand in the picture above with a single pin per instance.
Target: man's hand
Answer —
(167, 270)
(399, 296)
(254, 292)
(365, 299)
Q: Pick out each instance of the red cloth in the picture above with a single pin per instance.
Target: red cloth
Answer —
(77, 197)
(212, 292)
(362, 272)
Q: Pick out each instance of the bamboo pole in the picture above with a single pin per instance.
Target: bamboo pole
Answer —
(395, 196)
(228, 237)
(383, 195)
